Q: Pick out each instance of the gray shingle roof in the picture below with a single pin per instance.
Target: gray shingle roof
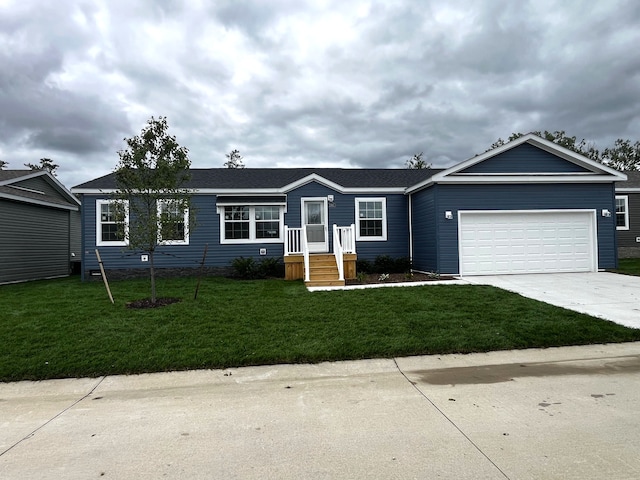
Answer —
(257, 178)
(13, 174)
(12, 190)
(633, 180)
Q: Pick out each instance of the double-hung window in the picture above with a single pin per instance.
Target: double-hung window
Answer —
(236, 223)
(173, 223)
(622, 212)
(371, 219)
(251, 223)
(111, 223)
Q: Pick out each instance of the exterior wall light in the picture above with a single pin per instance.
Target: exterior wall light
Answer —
(448, 215)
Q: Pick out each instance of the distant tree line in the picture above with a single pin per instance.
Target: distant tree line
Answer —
(45, 164)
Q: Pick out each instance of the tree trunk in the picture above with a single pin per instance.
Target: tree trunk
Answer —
(152, 272)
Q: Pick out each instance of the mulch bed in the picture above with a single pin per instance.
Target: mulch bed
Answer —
(147, 303)
(374, 278)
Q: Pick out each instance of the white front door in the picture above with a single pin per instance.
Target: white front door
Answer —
(314, 221)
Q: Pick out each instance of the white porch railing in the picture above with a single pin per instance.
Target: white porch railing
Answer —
(344, 241)
(295, 243)
(337, 251)
(292, 241)
(347, 238)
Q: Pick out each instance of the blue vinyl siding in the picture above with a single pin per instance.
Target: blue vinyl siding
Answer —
(522, 197)
(207, 231)
(525, 158)
(424, 229)
(343, 213)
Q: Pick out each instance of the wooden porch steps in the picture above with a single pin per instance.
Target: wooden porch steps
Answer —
(323, 271)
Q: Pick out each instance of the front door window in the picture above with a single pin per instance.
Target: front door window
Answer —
(315, 223)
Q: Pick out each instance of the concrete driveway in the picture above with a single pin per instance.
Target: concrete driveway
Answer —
(557, 413)
(605, 295)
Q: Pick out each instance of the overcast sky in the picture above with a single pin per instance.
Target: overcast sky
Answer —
(318, 83)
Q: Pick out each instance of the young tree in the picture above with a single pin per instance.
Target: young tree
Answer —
(3, 164)
(417, 162)
(45, 164)
(234, 159)
(150, 179)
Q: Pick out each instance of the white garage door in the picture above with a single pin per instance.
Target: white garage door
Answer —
(533, 241)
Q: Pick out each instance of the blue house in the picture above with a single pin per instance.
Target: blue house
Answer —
(529, 206)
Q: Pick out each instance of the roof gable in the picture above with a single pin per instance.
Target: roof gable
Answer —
(528, 159)
(37, 187)
(525, 158)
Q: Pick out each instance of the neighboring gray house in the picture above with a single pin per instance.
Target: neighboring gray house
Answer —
(40, 234)
(628, 216)
(529, 206)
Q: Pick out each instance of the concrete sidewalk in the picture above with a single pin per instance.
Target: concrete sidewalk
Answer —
(562, 413)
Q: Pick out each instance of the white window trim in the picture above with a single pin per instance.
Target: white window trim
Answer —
(99, 241)
(361, 238)
(252, 225)
(185, 241)
(626, 212)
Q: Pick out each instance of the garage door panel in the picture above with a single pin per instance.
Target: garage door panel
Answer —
(526, 242)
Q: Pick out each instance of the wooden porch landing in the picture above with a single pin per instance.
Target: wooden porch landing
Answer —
(323, 271)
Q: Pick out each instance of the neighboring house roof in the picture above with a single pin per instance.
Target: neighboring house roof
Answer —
(632, 184)
(11, 189)
(282, 180)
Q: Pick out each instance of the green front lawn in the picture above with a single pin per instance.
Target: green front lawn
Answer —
(65, 328)
(628, 266)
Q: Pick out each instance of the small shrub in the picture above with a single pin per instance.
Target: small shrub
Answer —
(361, 277)
(364, 266)
(272, 267)
(246, 268)
(250, 269)
(434, 275)
(402, 265)
(383, 277)
(385, 263)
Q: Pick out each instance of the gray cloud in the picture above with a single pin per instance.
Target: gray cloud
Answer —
(351, 84)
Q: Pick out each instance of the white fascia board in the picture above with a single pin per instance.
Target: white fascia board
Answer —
(43, 203)
(314, 177)
(61, 188)
(459, 179)
(254, 191)
(628, 190)
(545, 145)
(601, 173)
